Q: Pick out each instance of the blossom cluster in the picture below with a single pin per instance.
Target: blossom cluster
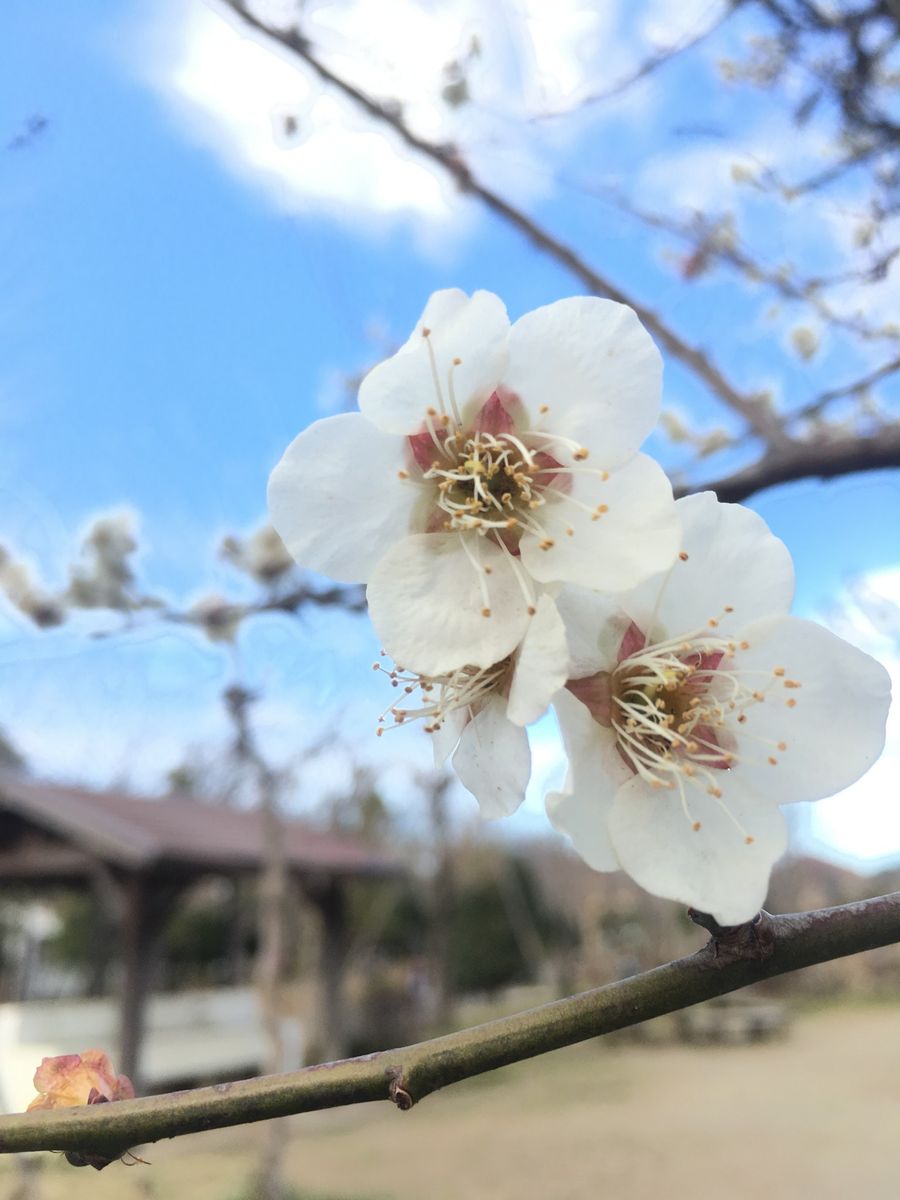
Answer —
(520, 552)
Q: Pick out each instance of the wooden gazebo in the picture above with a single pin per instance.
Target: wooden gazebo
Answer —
(138, 856)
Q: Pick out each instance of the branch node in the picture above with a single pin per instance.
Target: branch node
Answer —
(754, 941)
(397, 1090)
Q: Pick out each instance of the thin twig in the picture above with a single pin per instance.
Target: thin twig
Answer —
(700, 233)
(764, 948)
(848, 389)
(448, 157)
(649, 65)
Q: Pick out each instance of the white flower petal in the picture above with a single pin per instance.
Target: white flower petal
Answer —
(336, 499)
(426, 600)
(596, 772)
(541, 665)
(712, 869)
(595, 625)
(595, 367)
(638, 536)
(445, 738)
(834, 730)
(493, 760)
(734, 560)
(397, 394)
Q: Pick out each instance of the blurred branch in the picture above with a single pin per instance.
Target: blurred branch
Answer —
(271, 920)
(848, 389)
(448, 157)
(732, 959)
(652, 63)
(714, 240)
(861, 40)
(822, 458)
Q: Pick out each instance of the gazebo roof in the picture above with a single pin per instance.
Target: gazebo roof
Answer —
(52, 832)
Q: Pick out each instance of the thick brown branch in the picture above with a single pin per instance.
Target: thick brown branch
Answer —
(821, 459)
(733, 959)
(448, 158)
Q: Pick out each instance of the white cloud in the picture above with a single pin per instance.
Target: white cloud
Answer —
(230, 92)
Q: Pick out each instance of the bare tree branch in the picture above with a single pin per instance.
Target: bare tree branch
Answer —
(447, 156)
(652, 63)
(824, 458)
(848, 389)
(734, 958)
(715, 241)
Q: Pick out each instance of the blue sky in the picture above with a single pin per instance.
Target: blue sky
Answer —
(181, 295)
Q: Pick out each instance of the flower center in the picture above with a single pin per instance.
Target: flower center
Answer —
(433, 698)
(492, 477)
(490, 481)
(679, 710)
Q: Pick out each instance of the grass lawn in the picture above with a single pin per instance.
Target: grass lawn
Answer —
(816, 1115)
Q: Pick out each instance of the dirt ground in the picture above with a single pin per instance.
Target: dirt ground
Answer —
(816, 1115)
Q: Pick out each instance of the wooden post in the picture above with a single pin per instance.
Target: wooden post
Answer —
(331, 902)
(135, 945)
(147, 903)
(107, 914)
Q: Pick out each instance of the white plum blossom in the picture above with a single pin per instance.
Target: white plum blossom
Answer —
(487, 461)
(481, 712)
(696, 706)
